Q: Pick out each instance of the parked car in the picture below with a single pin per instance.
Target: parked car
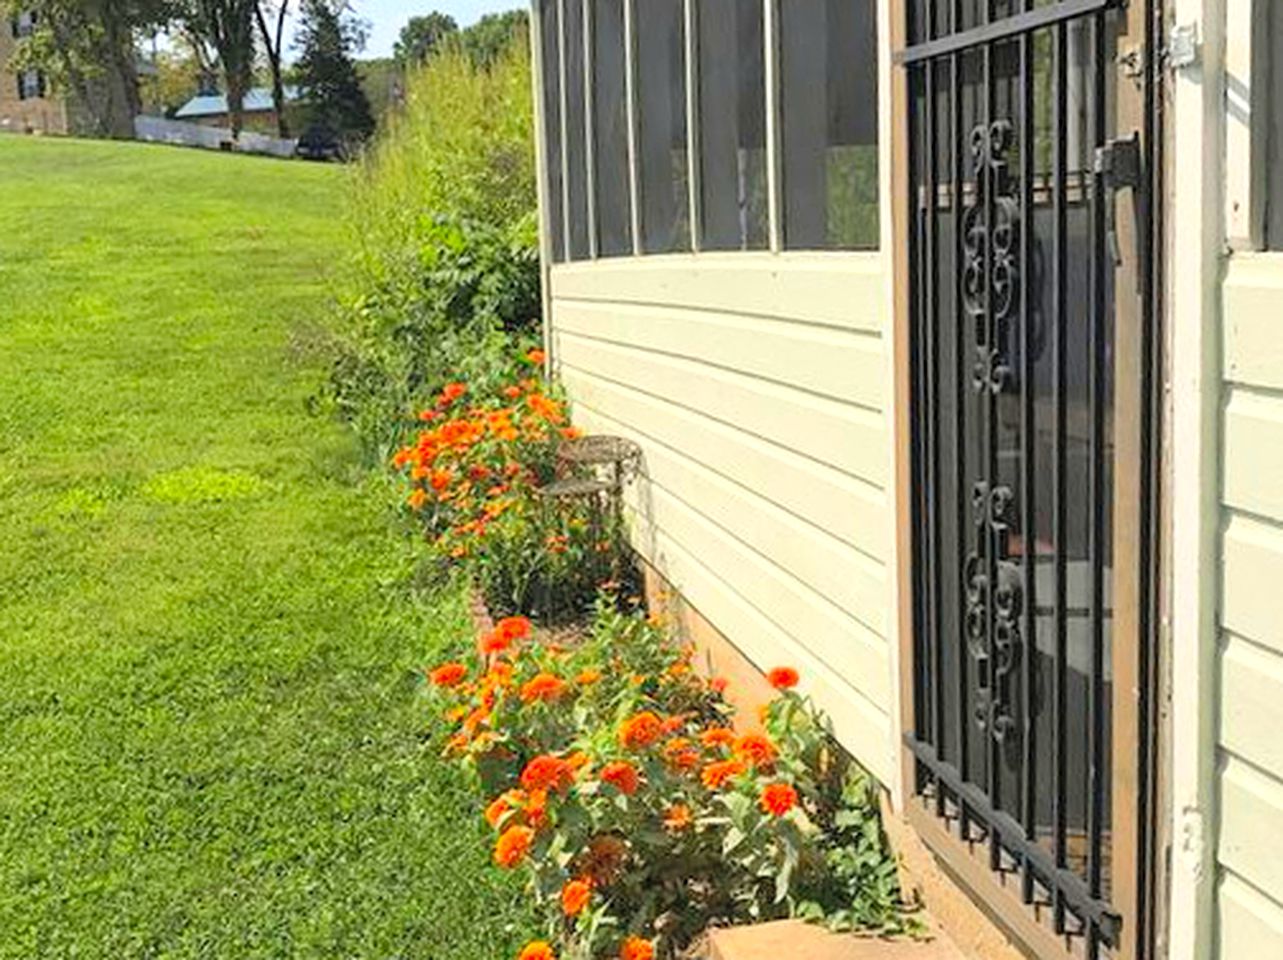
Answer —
(319, 142)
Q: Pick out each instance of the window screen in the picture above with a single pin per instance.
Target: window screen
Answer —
(661, 120)
(610, 131)
(732, 126)
(575, 144)
(828, 123)
(550, 44)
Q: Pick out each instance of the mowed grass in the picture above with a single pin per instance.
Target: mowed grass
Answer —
(211, 735)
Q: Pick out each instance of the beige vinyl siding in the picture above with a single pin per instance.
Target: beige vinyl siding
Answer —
(756, 385)
(1250, 768)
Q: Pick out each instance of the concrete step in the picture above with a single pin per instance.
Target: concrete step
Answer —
(795, 940)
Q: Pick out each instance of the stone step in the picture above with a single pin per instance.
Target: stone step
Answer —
(795, 940)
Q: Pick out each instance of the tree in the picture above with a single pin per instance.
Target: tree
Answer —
(273, 45)
(227, 27)
(491, 35)
(421, 36)
(85, 49)
(179, 75)
(328, 81)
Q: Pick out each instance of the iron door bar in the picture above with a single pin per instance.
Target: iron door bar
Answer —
(1003, 29)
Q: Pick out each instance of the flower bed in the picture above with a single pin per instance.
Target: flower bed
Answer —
(475, 472)
(612, 777)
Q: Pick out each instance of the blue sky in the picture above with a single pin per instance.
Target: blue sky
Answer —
(387, 17)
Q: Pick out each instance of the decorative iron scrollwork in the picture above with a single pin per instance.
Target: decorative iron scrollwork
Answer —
(994, 586)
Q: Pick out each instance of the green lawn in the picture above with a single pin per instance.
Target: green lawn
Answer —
(211, 739)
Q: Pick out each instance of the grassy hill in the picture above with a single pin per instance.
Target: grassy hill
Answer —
(211, 727)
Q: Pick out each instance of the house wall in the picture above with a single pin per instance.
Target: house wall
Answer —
(757, 387)
(1249, 856)
(36, 114)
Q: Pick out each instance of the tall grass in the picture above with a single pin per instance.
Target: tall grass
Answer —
(445, 274)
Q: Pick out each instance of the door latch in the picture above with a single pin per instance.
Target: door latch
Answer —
(1118, 164)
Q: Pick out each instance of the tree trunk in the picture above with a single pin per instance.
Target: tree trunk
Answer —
(273, 48)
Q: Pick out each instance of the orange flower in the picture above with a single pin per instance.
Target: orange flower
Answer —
(451, 392)
(500, 673)
(536, 808)
(678, 817)
(498, 807)
(621, 775)
(672, 724)
(635, 948)
(513, 846)
(493, 642)
(716, 774)
(536, 356)
(512, 392)
(718, 685)
(571, 433)
(513, 628)
(537, 950)
(587, 677)
(680, 754)
(778, 799)
(783, 678)
(575, 896)
(547, 772)
(640, 731)
(717, 737)
(543, 686)
(448, 674)
(757, 749)
(417, 498)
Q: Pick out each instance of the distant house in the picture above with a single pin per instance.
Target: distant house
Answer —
(26, 103)
(210, 109)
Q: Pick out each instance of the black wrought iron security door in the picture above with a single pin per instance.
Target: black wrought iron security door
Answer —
(1017, 161)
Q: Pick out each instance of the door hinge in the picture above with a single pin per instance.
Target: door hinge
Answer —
(1119, 163)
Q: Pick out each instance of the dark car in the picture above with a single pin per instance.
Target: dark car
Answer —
(319, 142)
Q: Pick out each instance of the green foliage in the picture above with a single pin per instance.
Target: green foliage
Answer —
(487, 39)
(212, 730)
(421, 36)
(446, 269)
(329, 86)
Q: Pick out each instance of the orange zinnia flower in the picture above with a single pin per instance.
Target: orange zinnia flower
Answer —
(717, 737)
(501, 805)
(417, 498)
(513, 846)
(621, 775)
(757, 749)
(635, 948)
(575, 896)
(588, 676)
(513, 628)
(536, 356)
(778, 799)
(678, 817)
(640, 731)
(452, 392)
(448, 674)
(547, 772)
(716, 775)
(672, 724)
(543, 686)
(493, 642)
(538, 950)
(718, 684)
(783, 678)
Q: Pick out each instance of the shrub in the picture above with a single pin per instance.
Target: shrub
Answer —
(476, 471)
(641, 818)
(445, 274)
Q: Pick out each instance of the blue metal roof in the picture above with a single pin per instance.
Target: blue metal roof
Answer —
(258, 99)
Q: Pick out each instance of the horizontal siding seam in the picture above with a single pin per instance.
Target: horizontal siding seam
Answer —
(1273, 526)
(869, 704)
(1230, 758)
(1248, 391)
(737, 428)
(862, 555)
(1231, 637)
(868, 331)
(735, 371)
(879, 648)
(1271, 900)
